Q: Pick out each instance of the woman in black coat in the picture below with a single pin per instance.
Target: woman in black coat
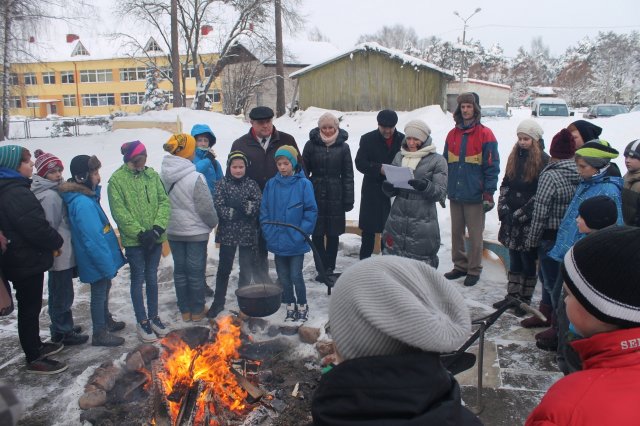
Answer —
(31, 243)
(328, 161)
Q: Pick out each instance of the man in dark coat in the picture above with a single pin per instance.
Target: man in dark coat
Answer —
(376, 148)
(259, 146)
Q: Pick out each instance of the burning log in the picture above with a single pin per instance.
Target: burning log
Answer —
(189, 404)
(254, 393)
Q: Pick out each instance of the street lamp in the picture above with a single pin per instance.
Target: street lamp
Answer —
(464, 36)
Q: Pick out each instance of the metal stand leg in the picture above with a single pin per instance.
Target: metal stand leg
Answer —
(479, 405)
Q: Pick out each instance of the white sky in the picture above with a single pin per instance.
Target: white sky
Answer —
(510, 23)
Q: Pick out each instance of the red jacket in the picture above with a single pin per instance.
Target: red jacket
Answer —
(606, 392)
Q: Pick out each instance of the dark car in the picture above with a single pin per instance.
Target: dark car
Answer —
(605, 110)
(497, 111)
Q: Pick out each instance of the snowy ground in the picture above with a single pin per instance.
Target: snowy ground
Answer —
(516, 373)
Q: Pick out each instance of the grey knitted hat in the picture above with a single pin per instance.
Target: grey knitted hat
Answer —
(417, 129)
(387, 305)
(531, 128)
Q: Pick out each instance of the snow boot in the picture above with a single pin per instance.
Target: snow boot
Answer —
(534, 322)
(547, 340)
(526, 293)
(514, 286)
(113, 325)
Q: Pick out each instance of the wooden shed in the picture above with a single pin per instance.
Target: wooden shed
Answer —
(371, 77)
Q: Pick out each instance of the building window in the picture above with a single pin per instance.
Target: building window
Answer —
(31, 101)
(189, 72)
(69, 100)
(67, 77)
(80, 50)
(165, 73)
(15, 102)
(152, 46)
(95, 76)
(13, 79)
(132, 74)
(214, 96)
(134, 98)
(98, 99)
(30, 78)
(49, 77)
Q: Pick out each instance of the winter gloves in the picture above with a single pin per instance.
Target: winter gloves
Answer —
(148, 238)
(389, 189)
(487, 202)
(419, 184)
(211, 156)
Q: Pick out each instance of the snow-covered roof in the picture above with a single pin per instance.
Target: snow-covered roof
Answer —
(488, 83)
(375, 47)
(543, 91)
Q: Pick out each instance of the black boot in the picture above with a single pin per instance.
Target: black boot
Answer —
(514, 287)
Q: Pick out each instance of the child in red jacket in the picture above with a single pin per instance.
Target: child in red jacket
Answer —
(601, 276)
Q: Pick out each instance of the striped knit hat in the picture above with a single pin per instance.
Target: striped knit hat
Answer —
(10, 156)
(237, 155)
(387, 305)
(46, 162)
(633, 149)
(289, 152)
(601, 271)
(597, 153)
(130, 150)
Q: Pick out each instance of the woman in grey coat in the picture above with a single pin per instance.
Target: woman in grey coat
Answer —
(412, 228)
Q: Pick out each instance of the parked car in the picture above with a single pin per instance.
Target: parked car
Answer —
(605, 110)
(550, 107)
(496, 111)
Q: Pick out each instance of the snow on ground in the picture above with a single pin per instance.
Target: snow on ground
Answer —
(53, 400)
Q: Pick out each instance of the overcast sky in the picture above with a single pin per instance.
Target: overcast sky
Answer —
(511, 23)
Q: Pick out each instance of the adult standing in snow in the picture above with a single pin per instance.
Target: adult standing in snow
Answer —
(377, 147)
(583, 131)
(140, 207)
(45, 185)
(391, 318)
(471, 150)
(259, 146)
(515, 208)
(328, 160)
(95, 244)
(30, 244)
(193, 217)
(412, 228)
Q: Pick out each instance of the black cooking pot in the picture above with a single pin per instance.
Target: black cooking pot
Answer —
(259, 300)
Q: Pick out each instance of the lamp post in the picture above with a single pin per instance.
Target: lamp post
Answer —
(464, 35)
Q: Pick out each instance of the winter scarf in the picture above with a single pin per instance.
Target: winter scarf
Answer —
(411, 159)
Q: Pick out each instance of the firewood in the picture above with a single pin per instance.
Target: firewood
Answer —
(254, 392)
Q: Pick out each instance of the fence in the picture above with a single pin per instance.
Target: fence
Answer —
(57, 127)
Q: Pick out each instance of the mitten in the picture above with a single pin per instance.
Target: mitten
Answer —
(419, 184)
(158, 231)
(147, 239)
(487, 202)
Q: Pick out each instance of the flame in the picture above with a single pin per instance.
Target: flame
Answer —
(210, 363)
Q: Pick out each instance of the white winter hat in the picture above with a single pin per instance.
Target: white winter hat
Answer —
(531, 128)
(417, 129)
(387, 305)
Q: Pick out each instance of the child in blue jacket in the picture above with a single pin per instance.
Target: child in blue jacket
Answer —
(288, 197)
(205, 159)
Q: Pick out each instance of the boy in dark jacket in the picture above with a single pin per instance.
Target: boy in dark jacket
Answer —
(31, 244)
(288, 198)
(391, 318)
(238, 205)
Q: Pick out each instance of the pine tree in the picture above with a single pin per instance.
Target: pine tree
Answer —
(155, 99)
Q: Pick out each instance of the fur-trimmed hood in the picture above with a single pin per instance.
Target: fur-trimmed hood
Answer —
(70, 186)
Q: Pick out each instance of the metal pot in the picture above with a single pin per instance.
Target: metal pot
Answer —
(259, 300)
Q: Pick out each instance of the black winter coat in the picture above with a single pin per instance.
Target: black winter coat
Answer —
(237, 203)
(23, 222)
(399, 390)
(330, 169)
(262, 164)
(372, 153)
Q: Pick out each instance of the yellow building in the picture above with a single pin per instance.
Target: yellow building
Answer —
(91, 77)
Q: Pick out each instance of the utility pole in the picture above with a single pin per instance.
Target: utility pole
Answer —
(463, 61)
(175, 56)
(280, 101)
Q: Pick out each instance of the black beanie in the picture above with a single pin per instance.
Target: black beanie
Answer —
(387, 118)
(81, 165)
(601, 271)
(588, 131)
(598, 212)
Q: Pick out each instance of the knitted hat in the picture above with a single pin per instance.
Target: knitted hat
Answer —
(261, 113)
(597, 153)
(587, 130)
(530, 128)
(601, 271)
(289, 152)
(633, 149)
(181, 144)
(82, 165)
(562, 145)
(598, 212)
(233, 155)
(387, 305)
(46, 162)
(130, 150)
(10, 156)
(387, 118)
(328, 118)
(417, 129)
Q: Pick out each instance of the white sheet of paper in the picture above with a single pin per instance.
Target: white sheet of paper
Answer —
(398, 176)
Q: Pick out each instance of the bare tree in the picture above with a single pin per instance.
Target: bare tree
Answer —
(395, 37)
(280, 102)
(239, 85)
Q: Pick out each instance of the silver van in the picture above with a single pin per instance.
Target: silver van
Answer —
(550, 107)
